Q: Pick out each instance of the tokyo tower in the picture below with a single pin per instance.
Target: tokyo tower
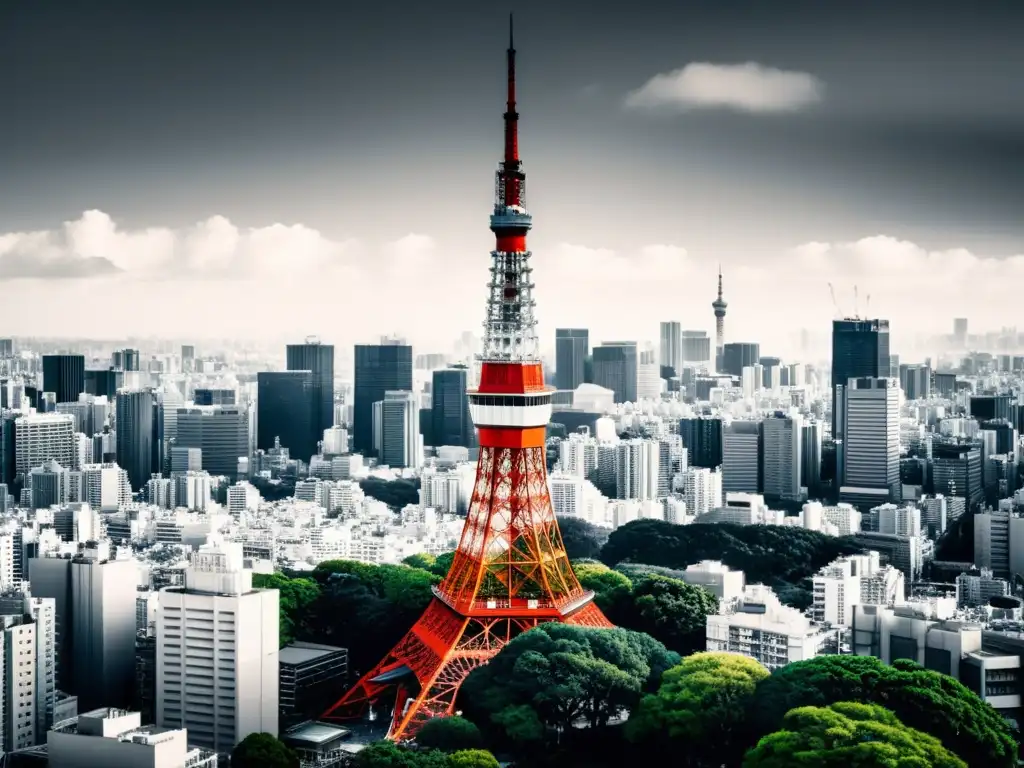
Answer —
(510, 571)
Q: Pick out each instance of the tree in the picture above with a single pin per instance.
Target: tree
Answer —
(699, 704)
(581, 539)
(848, 734)
(442, 564)
(926, 701)
(559, 676)
(669, 610)
(783, 557)
(395, 493)
(385, 754)
(450, 734)
(610, 587)
(472, 758)
(295, 598)
(422, 560)
(263, 750)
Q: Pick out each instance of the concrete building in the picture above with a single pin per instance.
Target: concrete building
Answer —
(741, 457)
(869, 454)
(783, 451)
(396, 430)
(28, 635)
(718, 579)
(218, 609)
(636, 469)
(116, 737)
(42, 437)
(761, 627)
(311, 676)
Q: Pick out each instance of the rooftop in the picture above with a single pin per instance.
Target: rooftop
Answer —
(300, 652)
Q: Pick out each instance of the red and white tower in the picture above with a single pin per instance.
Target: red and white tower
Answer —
(510, 571)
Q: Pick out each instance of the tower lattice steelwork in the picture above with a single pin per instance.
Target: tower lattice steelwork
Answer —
(510, 571)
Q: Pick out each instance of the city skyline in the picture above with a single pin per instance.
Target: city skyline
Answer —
(818, 160)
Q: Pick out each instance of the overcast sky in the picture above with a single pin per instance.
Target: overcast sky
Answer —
(225, 168)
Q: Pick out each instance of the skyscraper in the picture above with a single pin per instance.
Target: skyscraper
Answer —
(43, 437)
(64, 375)
(319, 360)
(451, 423)
(396, 433)
(221, 432)
(783, 456)
(960, 331)
(136, 435)
(696, 347)
(870, 451)
(572, 345)
(860, 349)
(671, 349)
(286, 407)
(379, 368)
(738, 355)
(616, 368)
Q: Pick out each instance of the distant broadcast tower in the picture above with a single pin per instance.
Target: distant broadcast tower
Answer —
(510, 571)
(719, 306)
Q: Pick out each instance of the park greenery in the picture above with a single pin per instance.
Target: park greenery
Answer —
(569, 696)
(848, 734)
(263, 750)
(395, 493)
(783, 557)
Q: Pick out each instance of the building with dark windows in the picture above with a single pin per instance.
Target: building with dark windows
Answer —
(572, 345)
(6, 347)
(103, 383)
(207, 396)
(956, 470)
(615, 368)
(286, 408)
(738, 355)
(221, 432)
(379, 368)
(702, 438)
(136, 439)
(318, 359)
(450, 422)
(125, 359)
(64, 375)
(860, 349)
(988, 407)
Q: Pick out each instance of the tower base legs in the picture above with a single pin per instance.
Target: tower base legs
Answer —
(429, 664)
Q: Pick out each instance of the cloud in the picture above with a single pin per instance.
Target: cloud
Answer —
(579, 262)
(748, 87)
(95, 246)
(410, 255)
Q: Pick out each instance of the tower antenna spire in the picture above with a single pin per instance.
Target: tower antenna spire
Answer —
(511, 116)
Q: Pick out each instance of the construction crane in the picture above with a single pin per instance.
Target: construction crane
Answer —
(867, 306)
(856, 304)
(835, 303)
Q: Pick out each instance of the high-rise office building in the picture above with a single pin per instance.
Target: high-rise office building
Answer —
(616, 368)
(702, 438)
(696, 348)
(870, 451)
(125, 360)
(218, 608)
(810, 447)
(214, 396)
(783, 453)
(860, 349)
(916, 381)
(43, 437)
(396, 433)
(286, 409)
(741, 457)
(379, 368)
(960, 331)
(94, 599)
(221, 432)
(648, 376)
(28, 629)
(49, 484)
(6, 348)
(103, 383)
(572, 345)
(450, 421)
(64, 375)
(739, 355)
(136, 437)
(637, 464)
(318, 359)
(671, 348)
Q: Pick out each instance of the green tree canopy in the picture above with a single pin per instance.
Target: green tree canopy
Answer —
(263, 750)
(558, 676)
(296, 596)
(581, 539)
(472, 758)
(385, 754)
(669, 610)
(450, 734)
(926, 701)
(421, 560)
(783, 557)
(848, 734)
(395, 493)
(609, 587)
(442, 564)
(699, 704)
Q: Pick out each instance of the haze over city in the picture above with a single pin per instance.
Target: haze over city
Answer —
(276, 175)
